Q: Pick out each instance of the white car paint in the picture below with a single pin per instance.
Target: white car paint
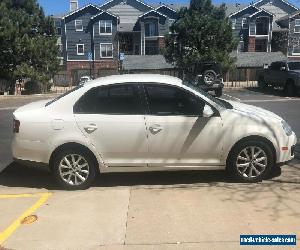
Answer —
(145, 142)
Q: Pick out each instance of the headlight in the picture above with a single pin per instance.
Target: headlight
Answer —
(286, 127)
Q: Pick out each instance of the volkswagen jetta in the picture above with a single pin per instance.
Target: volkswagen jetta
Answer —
(148, 123)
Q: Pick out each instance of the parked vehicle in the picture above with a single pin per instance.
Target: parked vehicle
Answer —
(206, 75)
(282, 74)
(84, 79)
(148, 122)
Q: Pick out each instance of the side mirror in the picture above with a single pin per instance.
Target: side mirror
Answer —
(207, 111)
(283, 68)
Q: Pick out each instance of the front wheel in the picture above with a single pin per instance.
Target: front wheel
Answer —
(250, 161)
(74, 169)
(262, 83)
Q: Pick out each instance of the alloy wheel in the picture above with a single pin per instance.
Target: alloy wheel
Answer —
(74, 169)
(251, 162)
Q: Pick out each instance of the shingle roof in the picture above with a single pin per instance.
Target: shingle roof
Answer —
(256, 59)
(151, 62)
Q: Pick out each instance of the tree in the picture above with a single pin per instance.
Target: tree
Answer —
(28, 42)
(202, 33)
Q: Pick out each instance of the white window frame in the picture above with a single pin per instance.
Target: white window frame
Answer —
(77, 45)
(297, 25)
(233, 23)
(244, 22)
(105, 25)
(76, 25)
(297, 53)
(112, 50)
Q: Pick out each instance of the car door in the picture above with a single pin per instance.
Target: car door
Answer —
(112, 118)
(178, 134)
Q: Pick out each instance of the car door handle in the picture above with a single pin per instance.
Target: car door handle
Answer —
(155, 129)
(90, 128)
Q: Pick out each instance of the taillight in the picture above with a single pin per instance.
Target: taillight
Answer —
(16, 126)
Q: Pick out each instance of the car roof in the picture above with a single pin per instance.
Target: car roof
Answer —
(134, 78)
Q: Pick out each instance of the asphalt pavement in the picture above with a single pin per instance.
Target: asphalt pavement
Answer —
(159, 210)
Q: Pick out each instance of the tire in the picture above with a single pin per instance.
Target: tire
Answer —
(209, 76)
(218, 92)
(74, 180)
(290, 89)
(262, 83)
(243, 169)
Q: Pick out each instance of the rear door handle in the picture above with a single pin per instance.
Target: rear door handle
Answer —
(90, 128)
(154, 129)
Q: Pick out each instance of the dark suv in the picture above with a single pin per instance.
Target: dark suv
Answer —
(206, 75)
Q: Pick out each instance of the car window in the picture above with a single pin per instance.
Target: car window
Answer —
(170, 100)
(113, 99)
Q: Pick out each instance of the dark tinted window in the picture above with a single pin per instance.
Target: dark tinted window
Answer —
(113, 99)
(169, 100)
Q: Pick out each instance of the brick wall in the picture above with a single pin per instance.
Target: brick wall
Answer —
(97, 67)
(251, 44)
(161, 43)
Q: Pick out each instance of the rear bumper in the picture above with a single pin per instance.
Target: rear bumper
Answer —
(217, 85)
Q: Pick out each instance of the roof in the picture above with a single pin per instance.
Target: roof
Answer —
(286, 2)
(80, 9)
(256, 59)
(153, 11)
(233, 8)
(249, 6)
(261, 11)
(145, 62)
(144, 78)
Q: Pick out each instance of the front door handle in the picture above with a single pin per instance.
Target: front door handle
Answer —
(90, 128)
(155, 129)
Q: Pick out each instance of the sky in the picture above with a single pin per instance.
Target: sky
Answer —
(52, 7)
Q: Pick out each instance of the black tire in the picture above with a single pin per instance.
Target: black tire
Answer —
(234, 160)
(209, 77)
(262, 83)
(290, 89)
(58, 170)
(218, 92)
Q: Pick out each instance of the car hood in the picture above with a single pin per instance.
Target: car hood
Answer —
(32, 106)
(253, 111)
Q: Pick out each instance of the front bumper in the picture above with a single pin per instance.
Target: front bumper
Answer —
(287, 149)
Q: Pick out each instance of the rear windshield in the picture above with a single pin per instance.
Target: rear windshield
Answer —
(63, 95)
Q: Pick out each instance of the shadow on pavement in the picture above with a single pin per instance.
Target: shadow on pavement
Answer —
(16, 175)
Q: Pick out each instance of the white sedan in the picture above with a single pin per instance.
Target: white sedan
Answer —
(148, 123)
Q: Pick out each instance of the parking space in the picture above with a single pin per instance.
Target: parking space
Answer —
(167, 210)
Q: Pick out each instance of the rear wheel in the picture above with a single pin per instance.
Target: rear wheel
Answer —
(262, 83)
(209, 76)
(290, 89)
(250, 161)
(74, 169)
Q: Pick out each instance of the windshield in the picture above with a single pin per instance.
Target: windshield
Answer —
(64, 94)
(220, 102)
(294, 65)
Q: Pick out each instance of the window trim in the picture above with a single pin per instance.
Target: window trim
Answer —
(298, 25)
(141, 98)
(79, 20)
(79, 44)
(297, 53)
(233, 24)
(105, 26)
(112, 50)
(243, 23)
(216, 113)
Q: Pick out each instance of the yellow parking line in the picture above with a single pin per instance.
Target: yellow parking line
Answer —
(14, 226)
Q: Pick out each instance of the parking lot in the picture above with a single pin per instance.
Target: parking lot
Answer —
(167, 210)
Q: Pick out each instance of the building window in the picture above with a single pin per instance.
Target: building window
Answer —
(244, 23)
(296, 51)
(78, 25)
(80, 49)
(261, 45)
(151, 28)
(105, 27)
(262, 26)
(106, 50)
(297, 26)
(233, 23)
